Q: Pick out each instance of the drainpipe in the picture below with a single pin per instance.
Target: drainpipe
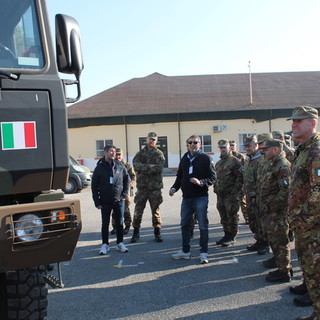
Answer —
(179, 135)
(270, 128)
(126, 136)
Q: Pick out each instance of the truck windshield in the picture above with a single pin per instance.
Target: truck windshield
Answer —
(20, 40)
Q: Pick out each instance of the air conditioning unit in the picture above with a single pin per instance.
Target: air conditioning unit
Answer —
(217, 128)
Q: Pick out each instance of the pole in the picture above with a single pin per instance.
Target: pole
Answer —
(250, 82)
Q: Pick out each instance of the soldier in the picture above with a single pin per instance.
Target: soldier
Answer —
(289, 151)
(273, 199)
(148, 164)
(127, 215)
(250, 189)
(242, 197)
(304, 200)
(229, 183)
(262, 168)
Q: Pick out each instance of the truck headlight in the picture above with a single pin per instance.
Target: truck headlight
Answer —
(28, 227)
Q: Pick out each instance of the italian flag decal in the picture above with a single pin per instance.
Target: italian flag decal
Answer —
(18, 135)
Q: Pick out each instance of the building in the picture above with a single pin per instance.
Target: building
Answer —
(212, 106)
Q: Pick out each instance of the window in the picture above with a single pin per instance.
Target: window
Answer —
(241, 138)
(100, 144)
(206, 142)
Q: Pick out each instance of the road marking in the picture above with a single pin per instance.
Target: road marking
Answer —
(120, 265)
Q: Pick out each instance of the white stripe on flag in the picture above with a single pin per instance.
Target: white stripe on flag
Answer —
(18, 134)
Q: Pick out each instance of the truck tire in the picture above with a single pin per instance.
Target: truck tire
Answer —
(71, 186)
(24, 294)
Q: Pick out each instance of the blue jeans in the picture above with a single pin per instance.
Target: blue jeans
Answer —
(188, 207)
(118, 209)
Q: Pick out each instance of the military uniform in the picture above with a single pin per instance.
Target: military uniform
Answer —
(127, 214)
(149, 185)
(288, 150)
(304, 217)
(273, 199)
(229, 182)
(250, 189)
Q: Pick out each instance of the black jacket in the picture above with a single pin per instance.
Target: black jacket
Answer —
(203, 169)
(102, 190)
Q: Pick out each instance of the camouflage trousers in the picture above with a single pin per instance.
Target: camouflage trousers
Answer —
(244, 205)
(307, 244)
(140, 200)
(255, 223)
(127, 215)
(277, 229)
(228, 207)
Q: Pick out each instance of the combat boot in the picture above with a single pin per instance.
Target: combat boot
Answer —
(301, 289)
(278, 276)
(126, 230)
(254, 247)
(136, 235)
(264, 248)
(157, 235)
(223, 239)
(303, 301)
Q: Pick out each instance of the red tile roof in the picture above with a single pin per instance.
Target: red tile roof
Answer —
(159, 94)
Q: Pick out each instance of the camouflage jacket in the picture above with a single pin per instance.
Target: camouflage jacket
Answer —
(275, 186)
(149, 178)
(289, 151)
(229, 171)
(261, 171)
(304, 194)
(250, 172)
(238, 155)
(130, 170)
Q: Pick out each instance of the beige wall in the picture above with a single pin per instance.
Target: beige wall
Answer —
(82, 140)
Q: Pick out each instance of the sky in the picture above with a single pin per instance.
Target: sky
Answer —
(125, 39)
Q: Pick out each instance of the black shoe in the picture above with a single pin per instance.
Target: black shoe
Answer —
(303, 301)
(126, 230)
(113, 231)
(264, 249)
(223, 239)
(301, 289)
(278, 276)
(254, 247)
(135, 236)
(270, 263)
(157, 235)
(228, 243)
(191, 233)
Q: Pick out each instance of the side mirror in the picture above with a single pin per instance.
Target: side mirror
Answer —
(68, 45)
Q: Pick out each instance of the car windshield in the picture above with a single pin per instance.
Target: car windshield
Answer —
(20, 40)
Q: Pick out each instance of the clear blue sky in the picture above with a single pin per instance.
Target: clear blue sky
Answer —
(125, 39)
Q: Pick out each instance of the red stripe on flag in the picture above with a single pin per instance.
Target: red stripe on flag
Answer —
(29, 133)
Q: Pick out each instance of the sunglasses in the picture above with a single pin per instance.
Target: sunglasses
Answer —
(193, 142)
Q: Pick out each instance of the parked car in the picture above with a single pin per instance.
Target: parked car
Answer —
(79, 177)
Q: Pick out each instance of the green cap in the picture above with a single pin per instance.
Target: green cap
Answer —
(304, 112)
(278, 134)
(223, 143)
(152, 135)
(263, 137)
(272, 143)
(249, 139)
(232, 142)
(119, 151)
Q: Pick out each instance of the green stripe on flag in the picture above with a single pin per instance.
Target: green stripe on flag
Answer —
(7, 136)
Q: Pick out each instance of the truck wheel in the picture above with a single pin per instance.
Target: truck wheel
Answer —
(24, 294)
(71, 186)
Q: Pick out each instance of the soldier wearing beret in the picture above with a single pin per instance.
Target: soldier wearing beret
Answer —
(304, 200)
(229, 183)
(273, 200)
(148, 164)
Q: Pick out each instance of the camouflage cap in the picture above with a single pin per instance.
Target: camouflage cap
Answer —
(272, 143)
(287, 137)
(119, 151)
(249, 139)
(232, 142)
(263, 137)
(223, 143)
(278, 134)
(304, 112)
(152, 135)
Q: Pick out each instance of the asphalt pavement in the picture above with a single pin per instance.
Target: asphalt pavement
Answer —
(146, 283)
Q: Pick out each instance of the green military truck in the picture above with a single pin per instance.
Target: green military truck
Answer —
(38, 227)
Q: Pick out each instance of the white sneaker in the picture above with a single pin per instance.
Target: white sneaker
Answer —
(104, 249)
(181, 255)
(204, 258)
(121, 247)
